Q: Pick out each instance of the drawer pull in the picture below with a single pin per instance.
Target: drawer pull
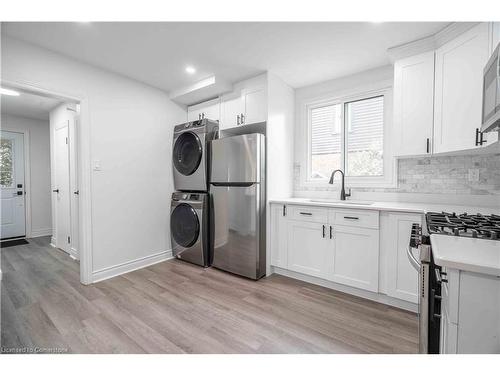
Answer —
(306, 213)
(351, 217)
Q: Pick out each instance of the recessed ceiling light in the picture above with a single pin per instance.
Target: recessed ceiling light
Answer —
(190, 70)
(8, 92)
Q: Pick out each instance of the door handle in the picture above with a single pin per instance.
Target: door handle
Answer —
(324, 231)
(413, 261)
(331, 232)
(55, 191)
(428, 145)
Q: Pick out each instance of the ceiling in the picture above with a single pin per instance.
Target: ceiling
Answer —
(157, 53)
(28, 105)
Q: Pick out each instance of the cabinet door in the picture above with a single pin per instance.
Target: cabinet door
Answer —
(356, 257)
(402, 278)
(211, 111)
(193, 114)
(459, 81)
(309, 248)
(233, 106)
(414, 104)
(255, 106)
(278, 236)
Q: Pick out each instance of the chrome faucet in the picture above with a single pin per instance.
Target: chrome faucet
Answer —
(342, 190)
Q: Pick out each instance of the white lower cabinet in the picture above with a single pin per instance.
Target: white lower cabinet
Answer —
(309, 249)
(355, 257)
(402, 278)
(279, 254)
(358, 248)
(315, 245)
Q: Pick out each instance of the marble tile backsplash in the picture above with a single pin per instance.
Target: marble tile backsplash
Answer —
(435, 175)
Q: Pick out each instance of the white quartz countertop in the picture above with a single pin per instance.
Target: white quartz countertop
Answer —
(467, 254)
(390, 206)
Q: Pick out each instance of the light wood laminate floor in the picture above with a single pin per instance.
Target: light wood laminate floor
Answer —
(175, 307)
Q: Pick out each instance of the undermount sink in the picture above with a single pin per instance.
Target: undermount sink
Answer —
(337, 201)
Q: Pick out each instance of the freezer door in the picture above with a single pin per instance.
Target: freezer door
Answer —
(239, 233)
(237, 159)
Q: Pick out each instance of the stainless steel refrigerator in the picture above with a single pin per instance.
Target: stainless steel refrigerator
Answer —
(238, 191)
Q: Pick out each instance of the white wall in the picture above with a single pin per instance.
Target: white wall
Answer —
(131, 135)
(39, 150)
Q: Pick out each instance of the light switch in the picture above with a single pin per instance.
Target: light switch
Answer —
(97, 165)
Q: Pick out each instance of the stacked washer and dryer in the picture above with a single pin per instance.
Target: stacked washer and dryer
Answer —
(190, 221)
(218, 211)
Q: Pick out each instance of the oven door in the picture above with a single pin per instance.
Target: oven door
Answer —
(421, 264)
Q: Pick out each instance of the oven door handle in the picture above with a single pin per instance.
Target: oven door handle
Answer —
(413, 261)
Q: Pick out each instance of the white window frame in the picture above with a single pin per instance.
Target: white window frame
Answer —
(304, 159)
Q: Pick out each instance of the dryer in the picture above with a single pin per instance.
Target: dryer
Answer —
(190, 229)
(191, 154)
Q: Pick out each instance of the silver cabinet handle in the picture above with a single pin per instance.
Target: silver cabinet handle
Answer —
(284, 210)
(238, 119)
(306, 213)
(324, 231)
(242, 119)
(331, 232)
(351, 217)
(413, 261)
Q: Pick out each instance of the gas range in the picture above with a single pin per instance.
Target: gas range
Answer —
(431, 276)
(464, 225)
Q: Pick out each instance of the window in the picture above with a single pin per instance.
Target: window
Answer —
(347, 135)
(6, 168)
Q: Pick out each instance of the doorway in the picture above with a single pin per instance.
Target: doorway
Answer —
(13, 214)
(39, 188)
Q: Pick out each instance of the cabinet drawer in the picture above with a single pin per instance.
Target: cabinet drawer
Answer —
(355, 218)
(308, 213)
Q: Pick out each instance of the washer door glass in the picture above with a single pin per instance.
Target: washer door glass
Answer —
(184, 225)
(187, 153)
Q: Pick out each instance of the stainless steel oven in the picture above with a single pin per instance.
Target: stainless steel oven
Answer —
(429, 288)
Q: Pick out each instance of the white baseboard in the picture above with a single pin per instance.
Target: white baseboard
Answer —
(382, 298)
(120, 269)
(73, 253)
(40, 232)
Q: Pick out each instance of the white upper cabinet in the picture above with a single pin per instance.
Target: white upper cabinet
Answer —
(243, 107)
(458, 89)
(233, 105)
(255, 106)
(413, 104)
(209, 110)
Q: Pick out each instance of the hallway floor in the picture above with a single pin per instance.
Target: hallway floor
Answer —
(175, 307)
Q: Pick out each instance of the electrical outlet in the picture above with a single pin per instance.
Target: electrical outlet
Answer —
(473, 175)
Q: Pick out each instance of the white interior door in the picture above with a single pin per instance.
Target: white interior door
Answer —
(12, 185)
(62, 188)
